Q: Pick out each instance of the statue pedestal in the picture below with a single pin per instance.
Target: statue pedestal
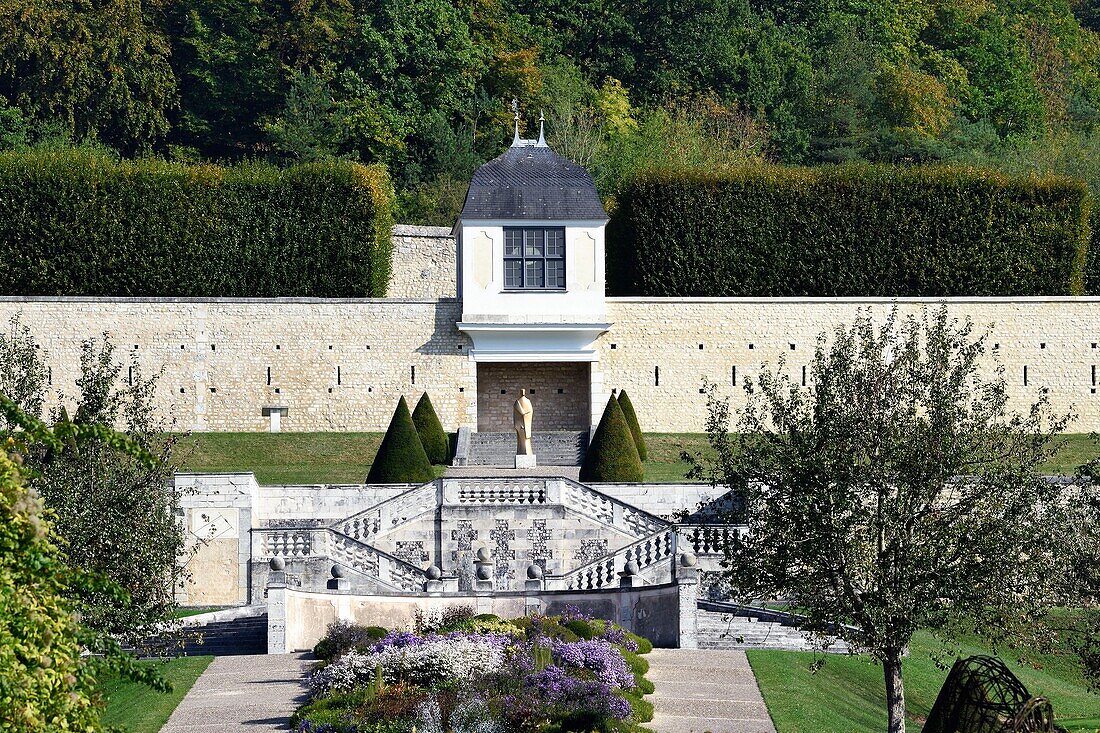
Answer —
(523, 461)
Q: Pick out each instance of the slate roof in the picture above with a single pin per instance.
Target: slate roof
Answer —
(532, 182)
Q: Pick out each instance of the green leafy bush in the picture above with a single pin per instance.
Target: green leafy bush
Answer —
(435, 441)
(401, 457)
(76, 222)
(848, 231)
(632, 420)
(612, 455)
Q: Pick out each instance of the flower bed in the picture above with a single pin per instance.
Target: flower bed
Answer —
(460, 673)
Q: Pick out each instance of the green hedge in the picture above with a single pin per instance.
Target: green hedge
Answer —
(401, 458)
(612, 455)
(848, 231)
(81, 223)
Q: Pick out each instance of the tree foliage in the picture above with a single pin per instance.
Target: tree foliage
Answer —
(49, 659)
(401, 457)
(424, 86)
(899, 492)
(612, 455)
(112, 506)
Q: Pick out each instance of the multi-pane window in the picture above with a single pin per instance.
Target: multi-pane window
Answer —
(534, 258)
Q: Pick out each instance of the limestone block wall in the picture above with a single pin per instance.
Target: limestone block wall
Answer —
(225, 364)
(558, 391)
(423, 263)
(218, 516)
(336, 365)
(661, 349)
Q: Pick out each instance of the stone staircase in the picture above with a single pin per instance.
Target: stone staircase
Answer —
(551, 448)
(220, 633)
(722, 630)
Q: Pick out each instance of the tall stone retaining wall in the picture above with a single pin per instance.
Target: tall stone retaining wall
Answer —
(662, 349)
(335, 365)
(226, 364)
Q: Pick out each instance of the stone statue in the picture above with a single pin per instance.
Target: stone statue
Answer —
(521, 419)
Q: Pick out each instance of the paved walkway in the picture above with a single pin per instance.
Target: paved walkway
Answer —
(705, 691)
(242, 694)
(572, 472)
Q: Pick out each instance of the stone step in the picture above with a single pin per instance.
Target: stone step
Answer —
(551, 448)
(219, 638)
(727, 631)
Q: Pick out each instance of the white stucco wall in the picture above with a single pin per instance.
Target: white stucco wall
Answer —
(481, 252)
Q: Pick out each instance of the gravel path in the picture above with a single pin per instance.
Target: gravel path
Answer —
(705, 691)
(242, 693)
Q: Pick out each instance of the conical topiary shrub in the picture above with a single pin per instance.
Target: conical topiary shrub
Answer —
(432, 436)
(401, 457)
(612, 456)
(632, 422)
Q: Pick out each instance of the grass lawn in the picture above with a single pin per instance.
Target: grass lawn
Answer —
(334, 458)
(664, 464)
(847, 694)
(137, 709)
(283, 458)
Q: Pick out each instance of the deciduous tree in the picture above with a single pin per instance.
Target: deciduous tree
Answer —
(897, 491)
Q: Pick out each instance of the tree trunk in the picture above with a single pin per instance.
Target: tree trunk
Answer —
(895, 692)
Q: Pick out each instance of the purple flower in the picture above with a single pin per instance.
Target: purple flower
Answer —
(557, 687)
(574, 613)
(597, 656)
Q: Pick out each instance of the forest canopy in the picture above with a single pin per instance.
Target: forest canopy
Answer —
(424, 86)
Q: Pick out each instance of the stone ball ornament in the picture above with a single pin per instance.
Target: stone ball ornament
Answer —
(434, 573)
(337, 571)
(534, 572)
(483, 555)
(483, 573)
(277, 564)
(688, 559)
(631, 568)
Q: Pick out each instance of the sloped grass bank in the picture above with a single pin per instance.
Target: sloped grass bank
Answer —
(315, 458)
(847, 694)
(137, 709)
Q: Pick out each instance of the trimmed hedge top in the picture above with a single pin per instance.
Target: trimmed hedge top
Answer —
(74, 222)
(848, 231)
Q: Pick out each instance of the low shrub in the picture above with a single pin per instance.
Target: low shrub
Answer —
(540, 677)
(343, 636)
(435, 620)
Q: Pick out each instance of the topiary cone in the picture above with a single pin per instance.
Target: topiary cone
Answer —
(632, 421)
(432, 436)
(401, 457)
(612, 456)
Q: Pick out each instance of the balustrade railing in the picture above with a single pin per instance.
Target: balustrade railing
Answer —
(603, 573)
(608, 510)
(391, 513)
(707, 539)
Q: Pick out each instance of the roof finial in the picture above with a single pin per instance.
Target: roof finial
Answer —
(542, 131)
(515, 112)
